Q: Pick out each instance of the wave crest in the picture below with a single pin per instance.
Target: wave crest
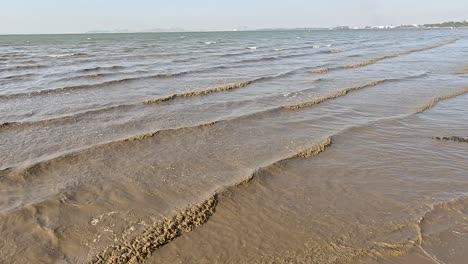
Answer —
(437, 99)
(202, 92)
(380, 58)
(334, 95)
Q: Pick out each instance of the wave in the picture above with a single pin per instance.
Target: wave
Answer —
(189, 59)
(295, 55)
(232, 64)
(64, 55)
(23, 67)
(258, 59)
(89, 71)
(380, 58)
(133, 138)
(233, 54)
(308, 47)
(355, 55)
(248, 60)
(367, 62)
(270, 58)
(153, 134)
(437, 99)
(202, 92)
(298, 48)
(308, 54)
(452, 138)
(143, 245)
(320, 70)
(29, 170)
(63, 118)
(319, 100)
(331, 51)
(223, 88)
(97, 76)
(430, 47)
(103, 68)
(131, 79)
(112, 82)
(88, 76)
(17, 77)
(275, 49)
(74, 117)
(161, 233)
(334, 95)
(91, 86)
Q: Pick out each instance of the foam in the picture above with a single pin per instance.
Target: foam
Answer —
(62, 55)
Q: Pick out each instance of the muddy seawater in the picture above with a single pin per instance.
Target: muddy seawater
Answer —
(235, 147)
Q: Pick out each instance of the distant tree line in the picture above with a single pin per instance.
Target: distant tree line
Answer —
(463, 23)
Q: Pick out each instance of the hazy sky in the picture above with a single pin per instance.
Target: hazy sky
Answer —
(67, 16)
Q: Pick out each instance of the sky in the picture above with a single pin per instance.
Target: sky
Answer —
(79, 16)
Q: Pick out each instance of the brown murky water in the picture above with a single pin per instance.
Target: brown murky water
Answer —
(312, 147)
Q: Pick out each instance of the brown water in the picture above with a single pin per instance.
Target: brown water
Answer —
(315, 147)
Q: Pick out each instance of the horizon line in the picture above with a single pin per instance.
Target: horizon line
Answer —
(180, 30)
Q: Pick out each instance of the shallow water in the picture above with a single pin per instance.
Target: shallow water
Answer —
(104, 136)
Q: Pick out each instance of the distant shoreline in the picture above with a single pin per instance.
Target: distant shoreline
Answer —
(446, 25)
